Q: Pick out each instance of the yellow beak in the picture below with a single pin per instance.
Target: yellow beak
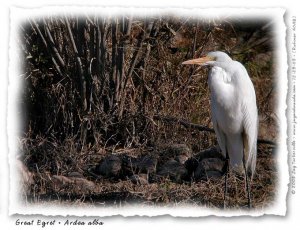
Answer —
(198, 61)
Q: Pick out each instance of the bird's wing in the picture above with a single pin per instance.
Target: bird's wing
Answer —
(220, 137)
(214, 112)
(250, 126)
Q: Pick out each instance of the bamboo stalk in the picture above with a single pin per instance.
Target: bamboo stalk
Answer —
(114, 82)
(56, 65)
(52, 45)
(79, 63)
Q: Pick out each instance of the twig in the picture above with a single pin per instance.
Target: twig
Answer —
(184, 123)
(190, 125)
(265, 141)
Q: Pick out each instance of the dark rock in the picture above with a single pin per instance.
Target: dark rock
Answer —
(191, 165)
(213, 164)
(147, 164)
(141, 179)
(209, 168)
(199, 173)
(179, 152)
(75, 174)
(129, 165)
(174, 170)
(213, 152)
(144, 164)
(110, 166)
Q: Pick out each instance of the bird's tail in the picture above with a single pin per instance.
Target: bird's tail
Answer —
(250, 150)
(251, 161)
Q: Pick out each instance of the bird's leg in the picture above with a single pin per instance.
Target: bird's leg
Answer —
(247, 183)
(248, 191)
(226, 166)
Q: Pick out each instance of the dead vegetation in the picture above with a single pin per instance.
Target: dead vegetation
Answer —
(112, 117)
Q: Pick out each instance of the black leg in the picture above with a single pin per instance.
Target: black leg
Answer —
(226, 166)
(247, 183)
(248, 191)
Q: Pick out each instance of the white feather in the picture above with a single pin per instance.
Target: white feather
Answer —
(234, 112)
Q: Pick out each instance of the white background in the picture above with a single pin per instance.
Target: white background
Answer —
(291, 220)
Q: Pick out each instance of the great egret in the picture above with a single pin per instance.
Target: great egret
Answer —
(234, 113)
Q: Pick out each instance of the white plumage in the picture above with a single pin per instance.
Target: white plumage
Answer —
(234, 110)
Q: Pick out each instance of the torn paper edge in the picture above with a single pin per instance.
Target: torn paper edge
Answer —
(19, 15)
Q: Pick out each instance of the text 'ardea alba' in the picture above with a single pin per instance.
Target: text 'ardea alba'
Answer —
(234, 113)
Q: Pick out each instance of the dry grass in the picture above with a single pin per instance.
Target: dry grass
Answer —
(103, 191)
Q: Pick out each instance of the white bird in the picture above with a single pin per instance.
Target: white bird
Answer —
(234, 113)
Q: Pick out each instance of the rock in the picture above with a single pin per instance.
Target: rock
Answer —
(60, 182)
(26, 178)
(147, 164)
(213, 164)
(81, 184)
(174, 170)
(144, 164)
(191, 165)
(110, 166)
(179, 152)
(75, 174)
(129, 165)
(181, 158)
(213, 152)
(213, 174)
(209, 168)
(199, 173)
(140, 179)
(84, 185)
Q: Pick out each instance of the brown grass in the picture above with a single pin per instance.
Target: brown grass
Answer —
(122, 191)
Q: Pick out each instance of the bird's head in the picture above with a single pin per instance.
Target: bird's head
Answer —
(210, 59)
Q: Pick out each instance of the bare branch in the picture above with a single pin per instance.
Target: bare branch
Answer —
(190, 125)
